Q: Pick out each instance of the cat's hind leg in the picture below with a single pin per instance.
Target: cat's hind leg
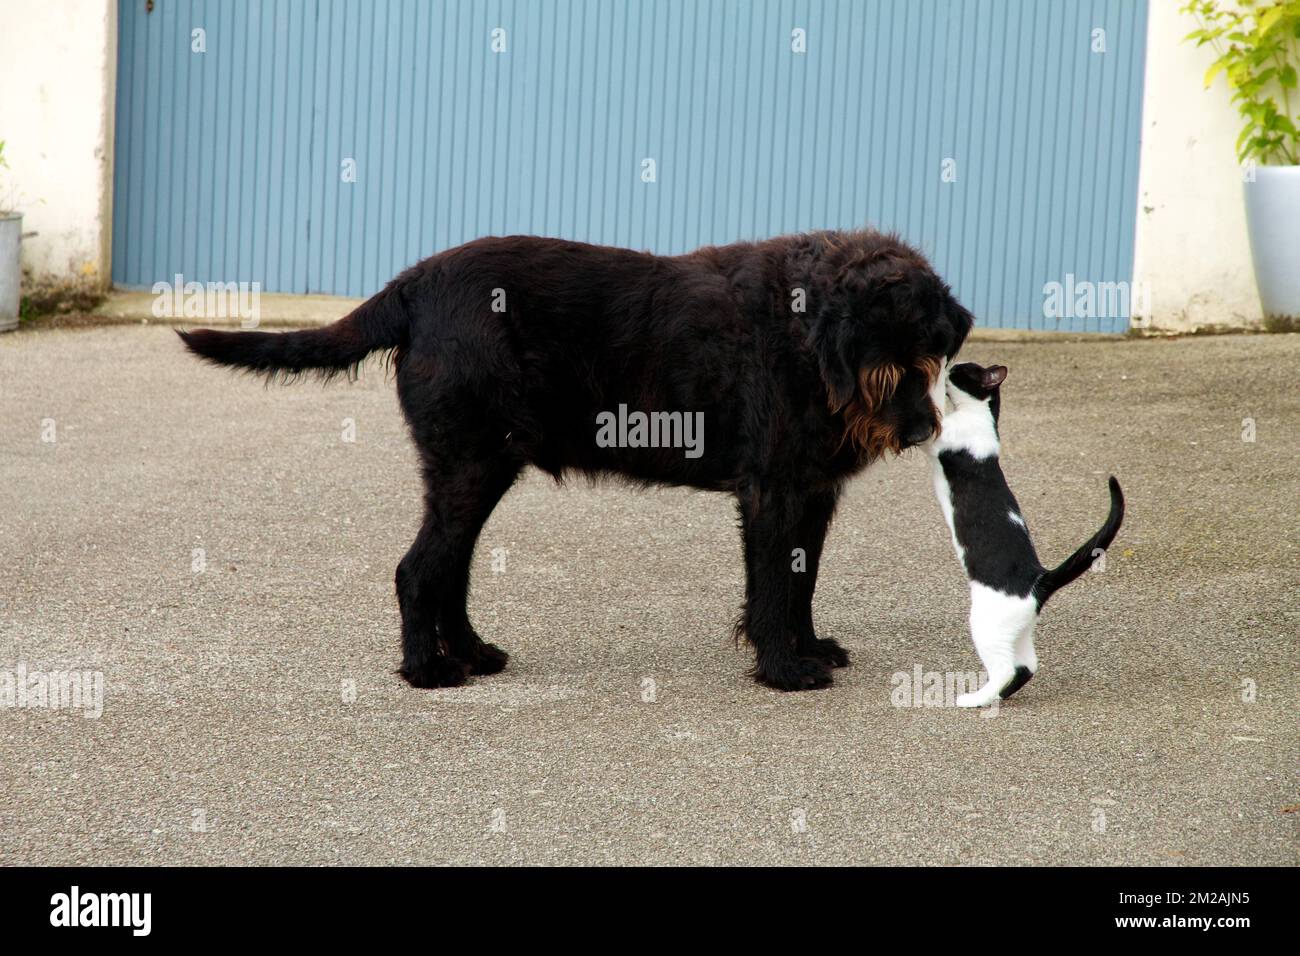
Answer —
(998, 624)
(1026, 657)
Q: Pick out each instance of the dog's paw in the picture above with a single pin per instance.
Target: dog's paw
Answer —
(487, 659)
(440, 671)
(795, 673)
(827, 649)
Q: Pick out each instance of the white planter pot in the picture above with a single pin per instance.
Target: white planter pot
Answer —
(11, 235)
(1273, 220)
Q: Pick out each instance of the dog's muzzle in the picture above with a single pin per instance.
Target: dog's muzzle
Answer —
(918, 435)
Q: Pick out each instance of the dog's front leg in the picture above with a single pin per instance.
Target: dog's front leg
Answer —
(805, 560)
(770, 521)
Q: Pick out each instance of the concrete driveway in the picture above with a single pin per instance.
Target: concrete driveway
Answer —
(222, 558)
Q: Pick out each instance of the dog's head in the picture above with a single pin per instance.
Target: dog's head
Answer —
(885, 330)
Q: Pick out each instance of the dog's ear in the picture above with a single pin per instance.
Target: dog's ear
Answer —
(994, 376)
(836, 341)
(960, 322)
(865, 310)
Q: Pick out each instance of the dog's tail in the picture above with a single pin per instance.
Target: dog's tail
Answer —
(1079, 562)
(381, 322)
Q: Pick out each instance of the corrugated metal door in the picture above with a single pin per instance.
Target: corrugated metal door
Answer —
(322, 145)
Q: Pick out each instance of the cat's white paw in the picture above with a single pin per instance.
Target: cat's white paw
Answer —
(984, 697)
(998, 688)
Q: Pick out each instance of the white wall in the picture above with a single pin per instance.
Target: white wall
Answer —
(58, 61)
(1192, 249)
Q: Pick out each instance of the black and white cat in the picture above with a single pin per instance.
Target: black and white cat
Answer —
(1008, 585)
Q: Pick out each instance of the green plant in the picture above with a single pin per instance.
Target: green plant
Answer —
(1258, 47)
(50, 295)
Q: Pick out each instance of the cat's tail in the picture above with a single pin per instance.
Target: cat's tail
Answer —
(1082, 559)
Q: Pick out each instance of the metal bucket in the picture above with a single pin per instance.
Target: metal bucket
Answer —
(11, 236)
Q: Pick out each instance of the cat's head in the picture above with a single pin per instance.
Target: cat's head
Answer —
(970, 384)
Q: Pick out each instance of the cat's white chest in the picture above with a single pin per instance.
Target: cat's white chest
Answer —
(943, 492)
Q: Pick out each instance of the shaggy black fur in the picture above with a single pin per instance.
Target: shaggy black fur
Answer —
(808, 356)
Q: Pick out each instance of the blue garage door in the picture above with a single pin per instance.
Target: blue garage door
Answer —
(322, 145)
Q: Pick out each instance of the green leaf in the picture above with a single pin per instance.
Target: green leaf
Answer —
(1270, 19)
(1260, 79)
(1245, 134)
(1215, 69)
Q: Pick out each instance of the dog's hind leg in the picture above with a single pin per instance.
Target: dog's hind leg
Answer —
(769, 526)
(805, 562)
(454, 628)
(439, 646)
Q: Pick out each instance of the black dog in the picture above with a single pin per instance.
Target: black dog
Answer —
(804, 357)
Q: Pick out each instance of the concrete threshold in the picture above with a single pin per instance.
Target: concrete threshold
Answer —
(275, 309)
(279, 309)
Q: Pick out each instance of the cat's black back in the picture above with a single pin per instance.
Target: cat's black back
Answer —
(997, 549)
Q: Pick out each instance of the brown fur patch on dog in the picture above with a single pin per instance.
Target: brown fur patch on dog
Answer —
(863, 427)
(932, 368)
(870, 435)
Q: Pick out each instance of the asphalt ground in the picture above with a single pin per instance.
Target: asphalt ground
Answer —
(222, 558)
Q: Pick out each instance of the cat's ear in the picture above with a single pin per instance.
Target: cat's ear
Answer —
(994, 376)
